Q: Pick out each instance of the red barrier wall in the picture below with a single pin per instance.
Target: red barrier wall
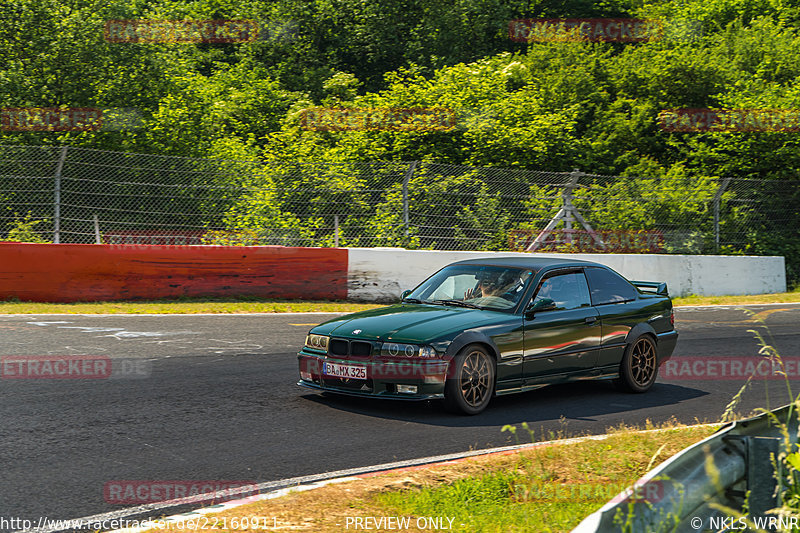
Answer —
(94, 272)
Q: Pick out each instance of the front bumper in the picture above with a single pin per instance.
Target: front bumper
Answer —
(383, 377)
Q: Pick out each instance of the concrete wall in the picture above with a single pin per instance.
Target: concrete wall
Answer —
(383, 273)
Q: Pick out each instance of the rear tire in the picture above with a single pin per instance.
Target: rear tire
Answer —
(639, 367)
(470, 381)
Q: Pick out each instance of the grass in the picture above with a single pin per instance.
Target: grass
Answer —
(549, 489)
(252, 305)
(773, 298)
(546, 489)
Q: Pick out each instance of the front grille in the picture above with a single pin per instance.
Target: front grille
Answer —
(343, 348)
(360, 348)
(338, 347)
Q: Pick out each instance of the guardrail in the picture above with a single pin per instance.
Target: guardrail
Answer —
(685, 491)
(98, 272)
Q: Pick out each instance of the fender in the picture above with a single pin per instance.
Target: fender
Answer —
(469, 337)
(640, 329)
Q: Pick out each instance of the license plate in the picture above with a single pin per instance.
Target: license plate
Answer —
(345, 371)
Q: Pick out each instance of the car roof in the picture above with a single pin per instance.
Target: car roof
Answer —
(533, 262)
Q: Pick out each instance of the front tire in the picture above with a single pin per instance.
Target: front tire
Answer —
(639, 367)
(470, 382)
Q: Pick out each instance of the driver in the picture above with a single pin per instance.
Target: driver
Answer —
(491, 283)
(545, 290)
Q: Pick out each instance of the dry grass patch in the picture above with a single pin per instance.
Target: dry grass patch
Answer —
(484, 493)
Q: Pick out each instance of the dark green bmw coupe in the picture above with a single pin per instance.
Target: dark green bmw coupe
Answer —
(482, 327)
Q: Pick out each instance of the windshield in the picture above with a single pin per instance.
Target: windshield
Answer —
(482, 286)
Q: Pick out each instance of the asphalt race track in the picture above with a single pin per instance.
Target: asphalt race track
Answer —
(214, 398)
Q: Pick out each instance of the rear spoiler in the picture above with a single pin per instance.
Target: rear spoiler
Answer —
(659, 288)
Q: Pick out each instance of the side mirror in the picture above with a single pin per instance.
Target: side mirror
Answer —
(404, 294)
(545, 304)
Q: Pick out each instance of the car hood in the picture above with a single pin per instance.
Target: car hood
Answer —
(408, 323)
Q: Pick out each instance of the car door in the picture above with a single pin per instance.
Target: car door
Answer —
(566, 338)
(618, 311)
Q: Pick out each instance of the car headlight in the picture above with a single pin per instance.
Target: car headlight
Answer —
(317, 342)
(393, 349)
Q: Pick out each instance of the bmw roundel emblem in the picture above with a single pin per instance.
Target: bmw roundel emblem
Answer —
(356, 331)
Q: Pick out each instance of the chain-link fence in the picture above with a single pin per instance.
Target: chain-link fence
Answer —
(79, 195)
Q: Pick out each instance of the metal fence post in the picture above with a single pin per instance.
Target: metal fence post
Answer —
(336, 230)
(575, 176)
(409, 174)
(717, 199)
(568, 213)
(57, 196)
(97, 239)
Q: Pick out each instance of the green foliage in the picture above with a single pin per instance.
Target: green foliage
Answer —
(550, 106)
(238, 103)
(548, 488)
(23, 229)
(340, 87)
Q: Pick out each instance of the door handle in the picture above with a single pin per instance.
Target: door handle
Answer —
(590, 319)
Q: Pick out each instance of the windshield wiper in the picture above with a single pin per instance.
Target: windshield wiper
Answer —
(414, 300)
(459, 303)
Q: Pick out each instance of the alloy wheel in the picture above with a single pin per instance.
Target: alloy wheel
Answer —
(643, 362)
(475, 378)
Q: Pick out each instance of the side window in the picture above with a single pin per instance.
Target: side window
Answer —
(609, 287)
(568, 291)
